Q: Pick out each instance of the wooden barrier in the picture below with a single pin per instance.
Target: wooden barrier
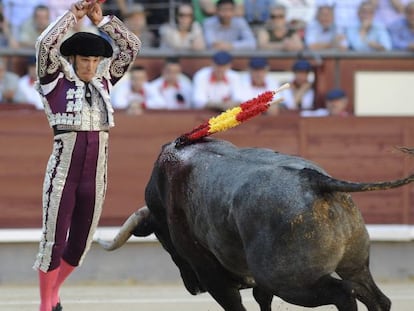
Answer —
(357, 149)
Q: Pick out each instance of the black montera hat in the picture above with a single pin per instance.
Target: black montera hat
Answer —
(86, 44)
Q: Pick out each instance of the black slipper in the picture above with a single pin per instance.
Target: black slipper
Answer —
(58, 307)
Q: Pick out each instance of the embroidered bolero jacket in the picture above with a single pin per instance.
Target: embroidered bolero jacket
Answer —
(63, 93)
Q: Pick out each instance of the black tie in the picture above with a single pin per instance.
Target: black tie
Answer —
(88, 94)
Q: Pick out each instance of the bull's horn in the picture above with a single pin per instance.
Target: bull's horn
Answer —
(126, 230)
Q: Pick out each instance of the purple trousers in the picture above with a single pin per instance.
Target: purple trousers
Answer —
(73, 194)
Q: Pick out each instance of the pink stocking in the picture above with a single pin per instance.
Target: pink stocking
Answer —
(64, 271)
(46, 283)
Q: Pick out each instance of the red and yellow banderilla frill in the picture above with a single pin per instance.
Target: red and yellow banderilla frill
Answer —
(231, 117)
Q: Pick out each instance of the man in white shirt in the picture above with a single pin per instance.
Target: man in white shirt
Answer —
(174, 86)
(336, 104)
(216, 86)
(301, 94)
(26, 92)
(322, 33)
(256, 80)
(135, 94)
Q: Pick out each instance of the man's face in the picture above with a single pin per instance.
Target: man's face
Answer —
(220, 70)
(301, 77)
(136, 22)
(225, 13)
(366, 13)
(336, 106)
(258, 76)
(172, 72)
(86, 66)
(278, 17)
(325, 17)
(42, 19)
(138, 78)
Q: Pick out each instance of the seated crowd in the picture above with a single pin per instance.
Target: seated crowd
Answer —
(225, 26)
(276, 25)
(218, 87)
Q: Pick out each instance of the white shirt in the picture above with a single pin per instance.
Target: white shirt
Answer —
(248, 91)
(122, 96)
(170, 92)
(206, 90)
(26, 93)
(304, 10)
(307, 100)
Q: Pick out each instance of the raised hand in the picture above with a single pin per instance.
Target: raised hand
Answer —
(80, 8)
(95, 12)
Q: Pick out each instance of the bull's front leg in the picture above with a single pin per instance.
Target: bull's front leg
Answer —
(211, 274)
(224, 290)
(263, 298)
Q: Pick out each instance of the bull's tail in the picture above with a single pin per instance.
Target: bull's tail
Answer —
(326, 183)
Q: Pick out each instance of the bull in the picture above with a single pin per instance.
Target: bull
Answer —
(234, 218)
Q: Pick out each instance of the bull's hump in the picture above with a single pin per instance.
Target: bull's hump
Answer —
(171, 153)
(191, 152)
(209, 149)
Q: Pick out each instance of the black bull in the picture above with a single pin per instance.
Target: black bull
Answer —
(253, 218)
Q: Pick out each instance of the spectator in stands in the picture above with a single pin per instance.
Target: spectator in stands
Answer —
(203, 9)
(6, 39)
(225, 31)
(158, 12)
(111, 7)
(174, 86)
(257, 12)
(134, 94)
(402, 31)
(17, 12)
(299, 13)
(256, 81)
(135, 19)
(216, 86)
(276, 35)
(57, 7)
(207, 8)
(26, 92)
(336, 103)
(389, 11)
(322, 33)
(8, 83)
(184, 34)
(368, 36)
(345, 11)
(301, 94)
(33, 27)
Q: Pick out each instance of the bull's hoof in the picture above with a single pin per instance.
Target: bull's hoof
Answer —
(58, 307)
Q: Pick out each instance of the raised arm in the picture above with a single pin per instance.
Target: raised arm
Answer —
(47, 45)
(128, 44)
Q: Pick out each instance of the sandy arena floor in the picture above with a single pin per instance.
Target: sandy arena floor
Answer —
(124, 297)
